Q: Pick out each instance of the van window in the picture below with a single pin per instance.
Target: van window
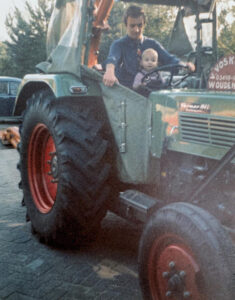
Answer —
(14, 88)
(4, 88)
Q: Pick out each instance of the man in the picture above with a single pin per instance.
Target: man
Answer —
(124, 56)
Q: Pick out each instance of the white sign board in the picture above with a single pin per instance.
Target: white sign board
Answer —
(222, 76)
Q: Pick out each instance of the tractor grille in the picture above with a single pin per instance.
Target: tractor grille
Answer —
(207, 129)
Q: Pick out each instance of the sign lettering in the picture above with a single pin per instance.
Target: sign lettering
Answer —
(222, 76)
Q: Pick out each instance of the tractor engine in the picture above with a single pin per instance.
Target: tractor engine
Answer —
(182, 175)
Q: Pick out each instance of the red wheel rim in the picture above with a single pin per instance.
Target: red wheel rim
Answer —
(42, 168)
(173, 271)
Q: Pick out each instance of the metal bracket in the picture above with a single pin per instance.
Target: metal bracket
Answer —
(123, 125)
(226, 159)
(136, 206)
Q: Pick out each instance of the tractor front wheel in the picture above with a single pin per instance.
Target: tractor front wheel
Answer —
(184, 253)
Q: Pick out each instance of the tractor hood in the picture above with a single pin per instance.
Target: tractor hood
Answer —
(64, 37)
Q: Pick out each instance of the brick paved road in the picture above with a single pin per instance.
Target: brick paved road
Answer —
(30, 270)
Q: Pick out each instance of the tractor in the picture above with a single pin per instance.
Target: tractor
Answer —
(165, 160)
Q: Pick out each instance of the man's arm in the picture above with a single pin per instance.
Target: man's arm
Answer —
(109, 77)
(113, 59)
(167, 58)
(137, 81)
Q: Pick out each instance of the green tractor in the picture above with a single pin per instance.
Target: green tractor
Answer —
(165, 160)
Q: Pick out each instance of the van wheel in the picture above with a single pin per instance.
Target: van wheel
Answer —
(184, 253)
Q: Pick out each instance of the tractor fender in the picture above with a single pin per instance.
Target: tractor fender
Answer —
(61, 85)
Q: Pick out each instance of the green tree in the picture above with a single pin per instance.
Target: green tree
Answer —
(160, 21)
(116, 29)
(27, 45)
(226, 40)
(6, 66)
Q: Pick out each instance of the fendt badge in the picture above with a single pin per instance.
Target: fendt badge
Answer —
(195, 108)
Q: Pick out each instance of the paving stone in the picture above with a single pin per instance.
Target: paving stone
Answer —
(18, 296)
(57, 293)
(79, 292)
(30, 270)
(103, 285)
(108, 295)
(7, 291)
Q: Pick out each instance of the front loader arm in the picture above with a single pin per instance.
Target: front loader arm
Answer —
(101, 14)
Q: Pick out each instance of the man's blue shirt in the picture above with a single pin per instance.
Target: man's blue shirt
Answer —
(125, 54)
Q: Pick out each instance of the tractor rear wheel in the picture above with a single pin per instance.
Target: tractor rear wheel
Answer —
(63, 169)
(184, 253)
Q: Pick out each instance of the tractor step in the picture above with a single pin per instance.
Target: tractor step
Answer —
(10, 120)
(136, 206)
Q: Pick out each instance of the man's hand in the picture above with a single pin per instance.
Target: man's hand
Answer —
(191, 66)
(109, 77)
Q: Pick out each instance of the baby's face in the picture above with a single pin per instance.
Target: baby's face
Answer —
(149, 62)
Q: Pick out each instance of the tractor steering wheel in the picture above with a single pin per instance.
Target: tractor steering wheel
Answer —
(173, 69)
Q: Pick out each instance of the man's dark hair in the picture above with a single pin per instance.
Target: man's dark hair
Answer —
(134, 11)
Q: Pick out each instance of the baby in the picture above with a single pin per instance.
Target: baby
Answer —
(154, 81)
